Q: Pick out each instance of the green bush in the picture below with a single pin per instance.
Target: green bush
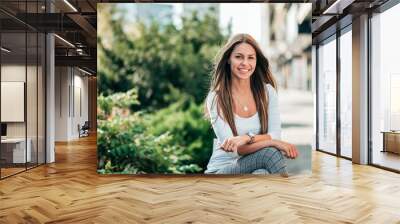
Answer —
(125, 145)
(185, 122)
(119, 103)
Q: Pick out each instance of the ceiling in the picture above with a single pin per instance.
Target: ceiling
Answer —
(74, 21)
(330, 15)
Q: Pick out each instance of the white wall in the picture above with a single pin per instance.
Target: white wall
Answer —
(13, 73)
(80, 83)
(71, 94)
(61, 103)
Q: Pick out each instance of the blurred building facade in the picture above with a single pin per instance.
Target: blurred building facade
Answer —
(147, 13)
(286, 40)
(165, 13)
(160, 13)
(201, 9)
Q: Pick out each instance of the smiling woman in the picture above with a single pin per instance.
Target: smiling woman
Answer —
(243, 61)
(243, 108)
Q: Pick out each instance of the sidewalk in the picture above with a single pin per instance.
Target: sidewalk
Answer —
(297, 115)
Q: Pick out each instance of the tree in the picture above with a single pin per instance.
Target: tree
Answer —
(162, 62)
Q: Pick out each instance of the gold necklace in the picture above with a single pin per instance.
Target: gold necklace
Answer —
(245, 108)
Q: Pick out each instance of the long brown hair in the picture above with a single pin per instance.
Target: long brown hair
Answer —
(221, 82)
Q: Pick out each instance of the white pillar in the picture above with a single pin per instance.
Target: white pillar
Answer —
(360, 90)
(50, 103)
(50, 93)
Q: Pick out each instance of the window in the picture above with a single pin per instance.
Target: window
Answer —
(346, 94)
(327, 96)
(385, 88)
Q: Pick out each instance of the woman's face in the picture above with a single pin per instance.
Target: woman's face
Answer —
(243, 61)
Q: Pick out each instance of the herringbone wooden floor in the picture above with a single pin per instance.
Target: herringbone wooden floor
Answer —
(70, 191)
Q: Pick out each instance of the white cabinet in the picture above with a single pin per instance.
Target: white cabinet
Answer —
(18, 149)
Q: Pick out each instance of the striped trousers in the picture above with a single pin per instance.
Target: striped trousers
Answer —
(270, 159)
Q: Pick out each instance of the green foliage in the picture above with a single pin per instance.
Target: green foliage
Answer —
(158, 59)
(125, 145)
(117, 101)
(185, 121)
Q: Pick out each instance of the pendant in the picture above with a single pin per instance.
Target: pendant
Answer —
(245, 108)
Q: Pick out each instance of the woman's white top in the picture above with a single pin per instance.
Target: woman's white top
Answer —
(219, 157)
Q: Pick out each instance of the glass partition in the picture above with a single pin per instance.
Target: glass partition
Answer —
(22, 77)
(14, 153)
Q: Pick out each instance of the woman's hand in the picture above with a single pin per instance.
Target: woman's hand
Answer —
(232, 144)
(289, 149)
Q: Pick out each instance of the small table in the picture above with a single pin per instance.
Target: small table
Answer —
(391, 141)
